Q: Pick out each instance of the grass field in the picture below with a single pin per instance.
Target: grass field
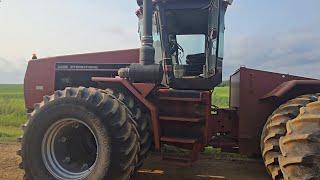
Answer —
(221, 97)
(12, 110)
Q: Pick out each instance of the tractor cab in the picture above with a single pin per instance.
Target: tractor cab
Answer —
(188, 38)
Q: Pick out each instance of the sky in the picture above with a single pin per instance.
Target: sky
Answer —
(273, 35)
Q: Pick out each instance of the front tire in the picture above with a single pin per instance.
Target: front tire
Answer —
(300, 147)
(141, 118)
(79, 133)
(275, 128)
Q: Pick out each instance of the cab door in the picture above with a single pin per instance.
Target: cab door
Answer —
(215, 46)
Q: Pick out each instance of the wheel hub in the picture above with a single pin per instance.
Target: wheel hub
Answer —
(69, 149)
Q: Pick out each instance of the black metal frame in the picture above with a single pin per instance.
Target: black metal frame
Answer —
(207, 80)
(197, 82)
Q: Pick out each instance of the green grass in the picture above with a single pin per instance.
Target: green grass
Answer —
(12, 110)
(221, 97)
(216, 153)
(11, 89)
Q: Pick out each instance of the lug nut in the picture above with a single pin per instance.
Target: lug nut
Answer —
(75, 125)
(66, 160)
(84, 166)
(63, 139)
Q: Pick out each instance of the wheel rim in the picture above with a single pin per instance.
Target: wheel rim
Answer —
(69, 149)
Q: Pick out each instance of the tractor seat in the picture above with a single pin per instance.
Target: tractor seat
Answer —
(195, 63)
(196, 59)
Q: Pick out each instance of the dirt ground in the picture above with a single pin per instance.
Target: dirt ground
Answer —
(155, 169)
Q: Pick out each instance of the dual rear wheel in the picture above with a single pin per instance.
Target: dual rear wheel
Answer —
(290, 141)
(81, 133)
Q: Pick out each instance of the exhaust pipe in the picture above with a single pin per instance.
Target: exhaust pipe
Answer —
(147, 50)
(146, 71)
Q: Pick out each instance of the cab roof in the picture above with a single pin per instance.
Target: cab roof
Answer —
(194, 2)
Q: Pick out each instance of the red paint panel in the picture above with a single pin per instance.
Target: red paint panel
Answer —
(286, 87)
(40, 75)
(120, 56)
(251, 85)
(144, 88)
(38, 81)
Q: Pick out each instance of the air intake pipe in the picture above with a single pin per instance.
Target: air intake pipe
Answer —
(146, 70)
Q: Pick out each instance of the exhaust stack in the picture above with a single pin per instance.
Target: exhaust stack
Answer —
(147, 50)
(146, 71)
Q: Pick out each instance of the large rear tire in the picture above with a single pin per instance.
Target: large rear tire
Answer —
(142, 118)
(300, 147)
(275, 128)
(79, 133)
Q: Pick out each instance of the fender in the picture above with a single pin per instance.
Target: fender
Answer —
(139, 91)
(292, 89)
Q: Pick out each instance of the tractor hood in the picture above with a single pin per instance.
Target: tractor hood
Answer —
(126, 56)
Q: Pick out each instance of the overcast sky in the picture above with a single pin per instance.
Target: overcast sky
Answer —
(276, 35)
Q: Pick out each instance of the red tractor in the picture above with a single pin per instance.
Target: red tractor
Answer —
(97, 115)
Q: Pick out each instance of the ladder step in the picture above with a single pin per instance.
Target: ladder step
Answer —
(178, 140)
(179, 119)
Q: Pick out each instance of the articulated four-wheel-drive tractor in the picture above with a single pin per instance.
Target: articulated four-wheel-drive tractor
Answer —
(97, 115)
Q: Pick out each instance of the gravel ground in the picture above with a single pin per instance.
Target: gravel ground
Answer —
(155, 169)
